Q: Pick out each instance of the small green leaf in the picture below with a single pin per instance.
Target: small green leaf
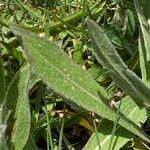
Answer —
(68, 79)
(17, 101)
(110, 59)
(130, 25)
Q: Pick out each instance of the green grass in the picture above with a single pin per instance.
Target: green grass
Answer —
(74, 75)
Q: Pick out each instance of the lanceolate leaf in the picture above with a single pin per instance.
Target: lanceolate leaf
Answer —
(132, 111)
(110, 59)
(68, 79)
(17, 102)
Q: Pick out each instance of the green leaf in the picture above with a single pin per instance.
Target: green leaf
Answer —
(68, 79)
(130, 23)
(110, 59)
(122, 135)
(17, 101)
(144, 38)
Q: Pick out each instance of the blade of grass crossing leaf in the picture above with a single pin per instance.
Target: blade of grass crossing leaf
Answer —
(97, 136)
(104, 133)
(121, 136)
(17, 101)
(57, 71)
(114, 128)
(110, 59)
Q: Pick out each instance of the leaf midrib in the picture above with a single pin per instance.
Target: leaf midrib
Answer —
(61, 72)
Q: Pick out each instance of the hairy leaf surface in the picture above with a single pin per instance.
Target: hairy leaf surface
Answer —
(68, 79)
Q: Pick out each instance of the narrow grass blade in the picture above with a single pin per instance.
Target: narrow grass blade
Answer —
(112, 144)
(61, 134)
(2, 82)
(121, 136)
(49, 133)
(17, 101)
(2, 92)
(110, 59)
(97, 141)
(144, 38)
(144, 27)
(69, 80)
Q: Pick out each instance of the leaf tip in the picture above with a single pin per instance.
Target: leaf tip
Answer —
(89, 23)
